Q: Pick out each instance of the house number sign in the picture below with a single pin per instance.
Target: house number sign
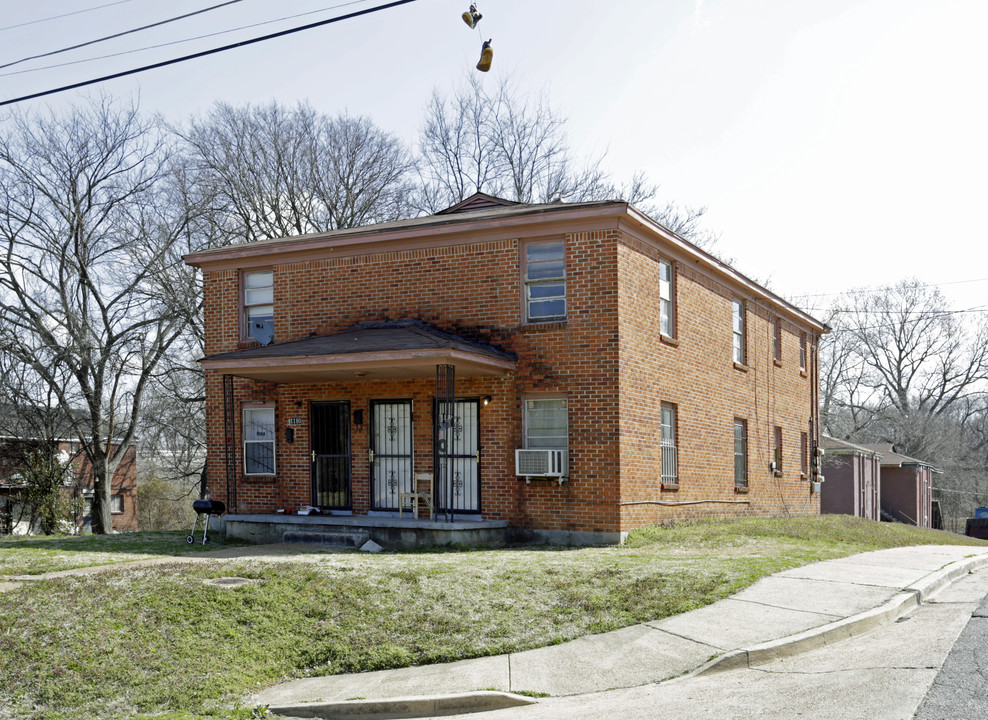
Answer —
(295, 421)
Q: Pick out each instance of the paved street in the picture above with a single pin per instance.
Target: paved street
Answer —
(881, 675)
(960, 691)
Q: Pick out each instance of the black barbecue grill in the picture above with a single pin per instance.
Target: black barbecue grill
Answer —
(204, 508)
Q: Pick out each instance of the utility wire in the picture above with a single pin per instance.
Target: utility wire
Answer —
(204, 53)
(186, 40)
(121, 34)
(63, 15)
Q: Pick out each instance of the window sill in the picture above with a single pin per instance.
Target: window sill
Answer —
(741, 489)
(670, 487)
(671, 341)
(741, 367)
(543, 325)
(804, 476)
(803, 373)
(777, 473)
(258, 478)
(777, 363)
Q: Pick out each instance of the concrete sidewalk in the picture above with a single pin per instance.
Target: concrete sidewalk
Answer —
(779, 616)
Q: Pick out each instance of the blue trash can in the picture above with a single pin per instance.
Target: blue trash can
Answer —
(981, 512)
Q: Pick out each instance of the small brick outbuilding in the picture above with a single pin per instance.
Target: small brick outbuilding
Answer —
(642, 379)
(853, 479)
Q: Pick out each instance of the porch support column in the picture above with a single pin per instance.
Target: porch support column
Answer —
(442, 445)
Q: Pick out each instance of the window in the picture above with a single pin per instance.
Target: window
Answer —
(740, 453)
(802, 352)
(670, 459)
(546, 423)
(258, 315)
(259, 441)
(116, 504)
(665, 299)
(738, 316)
(777, 336)
(777, 450)
(804, 454)
(545, 282)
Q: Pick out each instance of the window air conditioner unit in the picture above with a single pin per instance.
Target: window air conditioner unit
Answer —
(545, 463)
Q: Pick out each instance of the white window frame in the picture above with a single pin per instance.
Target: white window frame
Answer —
(667, 305)
(272, 442)
(530, 403)
(670, 453)
(249, 300)
(802, 351)
(738, 331)
(114, 499)
(532, 283)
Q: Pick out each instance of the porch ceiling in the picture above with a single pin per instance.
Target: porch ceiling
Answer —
(367, 352)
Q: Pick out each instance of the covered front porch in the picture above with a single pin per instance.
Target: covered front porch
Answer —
(366, 427)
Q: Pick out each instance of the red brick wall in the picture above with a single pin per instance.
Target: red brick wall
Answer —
(695, 372)
(612, 373)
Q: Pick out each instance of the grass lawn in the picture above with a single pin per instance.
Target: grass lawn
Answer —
(20, 555)
(160, 642)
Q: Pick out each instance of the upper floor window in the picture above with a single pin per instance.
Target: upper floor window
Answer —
(670, 458)
(777, 339)
(545, 282)
(804, 454)
(258, 312)
(802, 351)
(259, 441)
(665, 298)
(738, 329)
(546, 423)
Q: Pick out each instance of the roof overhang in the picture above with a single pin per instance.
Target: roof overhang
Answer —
(359, 366)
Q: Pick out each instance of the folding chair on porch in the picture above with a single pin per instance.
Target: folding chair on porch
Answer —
(423, 492)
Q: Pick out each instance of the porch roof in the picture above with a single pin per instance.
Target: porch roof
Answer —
(368, 351)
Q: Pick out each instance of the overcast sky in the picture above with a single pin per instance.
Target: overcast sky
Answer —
(836, 143)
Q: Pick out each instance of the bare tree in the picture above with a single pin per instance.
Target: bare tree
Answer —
(84, 301)
(516, 147)
(270, 171)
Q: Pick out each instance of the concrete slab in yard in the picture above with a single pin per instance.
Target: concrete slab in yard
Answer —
(729, 624)
(490, 673)
(632, 656)
(829, 598)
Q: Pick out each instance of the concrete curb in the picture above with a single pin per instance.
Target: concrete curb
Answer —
(406, 707)
(911, 597)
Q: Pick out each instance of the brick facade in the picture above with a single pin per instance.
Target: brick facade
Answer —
(463, 275)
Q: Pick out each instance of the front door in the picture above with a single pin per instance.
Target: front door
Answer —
(391, 452)
(331, 455)
(458, 459)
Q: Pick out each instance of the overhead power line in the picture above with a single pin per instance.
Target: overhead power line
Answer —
(63, 15)
(185, 40)
(121, 34)
(205, 53)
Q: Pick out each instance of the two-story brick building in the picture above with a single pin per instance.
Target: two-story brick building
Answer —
(646, 380)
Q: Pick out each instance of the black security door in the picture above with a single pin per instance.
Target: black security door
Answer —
(391, 452)
(458, 457)
(331, 455)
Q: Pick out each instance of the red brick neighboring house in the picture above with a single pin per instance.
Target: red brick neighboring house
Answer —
(644, 379)
(853, 479)
(907, 487)
(14, 516)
